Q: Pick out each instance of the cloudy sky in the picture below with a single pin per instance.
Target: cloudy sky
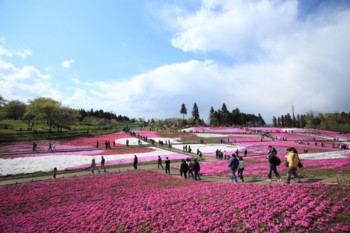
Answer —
(143, 58)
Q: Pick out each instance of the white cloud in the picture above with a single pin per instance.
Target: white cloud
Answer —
(25, 83)
(89, 83)
(236, 28)
(5, 52)
(160, 92)
(80, 99)
(76, 80)
(67, 64)
(9, 72)
(24, 53)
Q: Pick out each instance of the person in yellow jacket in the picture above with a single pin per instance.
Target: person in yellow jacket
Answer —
(292, 163)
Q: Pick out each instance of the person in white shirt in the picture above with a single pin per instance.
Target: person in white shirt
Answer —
(241, 168)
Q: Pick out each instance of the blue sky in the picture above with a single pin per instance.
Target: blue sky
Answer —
(145, 58)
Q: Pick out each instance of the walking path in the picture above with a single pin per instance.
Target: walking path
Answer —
(174, 173)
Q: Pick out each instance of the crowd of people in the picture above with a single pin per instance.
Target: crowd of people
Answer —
(191, 170)
(293, 162)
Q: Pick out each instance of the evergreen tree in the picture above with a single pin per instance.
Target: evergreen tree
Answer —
(214, 117)
(288, 120)
(294, 123)
(224, 115)
(261, 120)
(195, 112)
(236, 116)
(274, 121)
(224, 108)
(183, 111)
(297, 123)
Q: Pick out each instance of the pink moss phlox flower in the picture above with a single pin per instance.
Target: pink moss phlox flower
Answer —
(141, 201)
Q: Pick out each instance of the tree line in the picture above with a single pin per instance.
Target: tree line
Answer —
(54, 114)
(224, 117)
(339, 122)
(102, 114)
(57, 116)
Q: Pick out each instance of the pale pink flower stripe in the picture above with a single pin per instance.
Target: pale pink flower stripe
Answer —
(154, 202)
(174, 156)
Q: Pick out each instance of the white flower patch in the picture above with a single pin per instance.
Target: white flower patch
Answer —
(189, 130)
(47, 163)
(326, 155)
(132, 141)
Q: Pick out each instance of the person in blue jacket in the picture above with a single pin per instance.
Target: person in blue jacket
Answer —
(234, 166)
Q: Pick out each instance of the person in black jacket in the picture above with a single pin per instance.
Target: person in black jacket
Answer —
(103, 161)
(196, 168)
(167, 166)
(184, 168)
(272, 158)
(190, 168)
(135, 162)
(160, 163)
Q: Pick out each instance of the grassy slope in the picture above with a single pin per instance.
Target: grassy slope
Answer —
(17, 130)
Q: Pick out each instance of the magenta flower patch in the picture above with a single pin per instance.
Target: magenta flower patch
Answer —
(153, 202)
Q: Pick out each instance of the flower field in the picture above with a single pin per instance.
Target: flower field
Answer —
(152, 202)
(145, 201)
(77, 153)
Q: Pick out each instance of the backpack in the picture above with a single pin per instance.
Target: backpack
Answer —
(277, 161)
(274, 160)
